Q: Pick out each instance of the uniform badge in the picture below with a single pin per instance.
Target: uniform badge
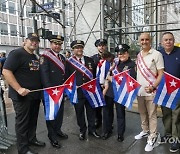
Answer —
(41, 60)
(125, 68)
(89, 66)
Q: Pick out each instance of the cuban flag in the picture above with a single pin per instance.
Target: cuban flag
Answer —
(125, 89)
(71, 89)
(102, 70)
(168, 92)
(52, 99)
(93, 93)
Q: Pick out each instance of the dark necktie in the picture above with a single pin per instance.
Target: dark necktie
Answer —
(59, 56)
(80, 60)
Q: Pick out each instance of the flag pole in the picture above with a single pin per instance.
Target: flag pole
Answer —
(48, 88)
(86, 83)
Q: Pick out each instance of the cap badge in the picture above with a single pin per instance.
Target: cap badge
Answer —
(58, 36)
(120, 46)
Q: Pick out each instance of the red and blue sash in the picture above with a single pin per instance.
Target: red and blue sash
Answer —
(55, 59)
(145, 71)
(81, 67)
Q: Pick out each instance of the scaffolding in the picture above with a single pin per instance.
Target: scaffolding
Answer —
(116, 23)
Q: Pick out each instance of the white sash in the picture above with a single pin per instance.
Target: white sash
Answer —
(55, 59)
(145, 71)
(81, 67)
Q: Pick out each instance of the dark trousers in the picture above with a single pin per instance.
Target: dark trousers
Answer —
(120, 111)
(25, 122)
(98, 115)
(54, 126)
(108, 114)
(80, 115)
(171, 120)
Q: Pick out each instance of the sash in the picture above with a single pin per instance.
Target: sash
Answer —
(81, 67)
(55, 59)
(145, 71)
(115, 70)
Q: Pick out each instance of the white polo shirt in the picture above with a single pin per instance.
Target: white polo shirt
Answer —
(154, 61)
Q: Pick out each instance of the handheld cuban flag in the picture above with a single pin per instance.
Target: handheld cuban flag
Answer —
(93, 93)
(53, 98)
(168, 92)
(125, 89)
(102, 70)
(71, 89)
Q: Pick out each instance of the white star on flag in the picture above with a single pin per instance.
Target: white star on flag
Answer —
(70, 84)
(55, 92)
(131, 84)
(120, 78)
(90, 86)
(173, 84)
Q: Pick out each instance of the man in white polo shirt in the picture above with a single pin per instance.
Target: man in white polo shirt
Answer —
(150, 67)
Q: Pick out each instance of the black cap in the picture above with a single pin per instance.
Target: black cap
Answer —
(100, 42)
(33, 36)
(122, 48)
(77, 43)
(56, 39)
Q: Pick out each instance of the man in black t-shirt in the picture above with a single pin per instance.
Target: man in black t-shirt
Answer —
(21, 70)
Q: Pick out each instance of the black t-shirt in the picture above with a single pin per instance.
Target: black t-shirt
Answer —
(25, 68)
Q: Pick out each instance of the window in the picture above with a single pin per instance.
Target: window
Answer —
(28, 11)
(29, 30)
(13, 30)
(3, 5)
(12, 8)
(4, 29)
(20, 31)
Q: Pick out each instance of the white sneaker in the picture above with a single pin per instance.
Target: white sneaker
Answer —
(152, 143)
(141, 135)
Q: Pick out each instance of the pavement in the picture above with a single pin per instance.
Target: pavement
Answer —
(73, 145)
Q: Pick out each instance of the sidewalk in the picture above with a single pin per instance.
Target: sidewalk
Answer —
(91, 146)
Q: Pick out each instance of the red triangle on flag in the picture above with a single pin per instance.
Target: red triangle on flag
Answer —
(90, 86)
(70, 81)
(131, 83)
(119, 77)
(55, 93)
(172, 83)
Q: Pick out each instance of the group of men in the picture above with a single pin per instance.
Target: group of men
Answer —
(52, 69)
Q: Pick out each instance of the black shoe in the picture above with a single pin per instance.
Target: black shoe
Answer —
(62, 135)
(106, 135)
(55, 144)
(120, 138)
(174, 147)
(31, 152)
(94, 134)
(37, 143)
(82, 136)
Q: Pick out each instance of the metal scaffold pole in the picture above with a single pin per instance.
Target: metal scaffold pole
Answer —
(102, 18)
